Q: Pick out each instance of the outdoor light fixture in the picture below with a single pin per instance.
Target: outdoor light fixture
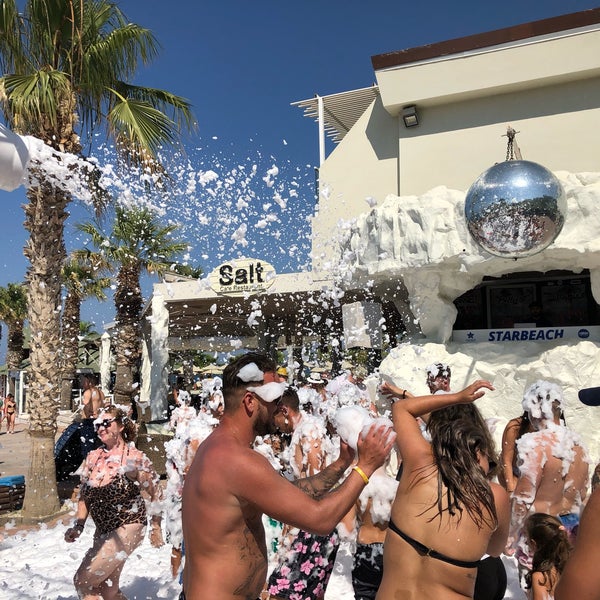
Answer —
(410, 116)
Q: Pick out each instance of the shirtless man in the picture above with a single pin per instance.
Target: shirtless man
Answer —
(91, 403)
(554, 468)
(229, 486)
(93, 397)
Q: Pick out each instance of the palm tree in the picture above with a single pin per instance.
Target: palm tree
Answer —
(13, 312)
(82, 278)
(87, 329)
(186, 270)
(138, 242)
(66, 65)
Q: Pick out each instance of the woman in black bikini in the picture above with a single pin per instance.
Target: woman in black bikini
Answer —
(446, 514)
(10, 412)
(112, 479)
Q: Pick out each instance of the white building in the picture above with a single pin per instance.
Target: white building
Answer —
(390, 221)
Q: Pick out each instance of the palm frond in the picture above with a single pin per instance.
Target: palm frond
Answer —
(180, 108)
(126, 46)
(13, 303)
(12, 53)
(98, 238)
(140, 128)
(97, 262)
(32, 100)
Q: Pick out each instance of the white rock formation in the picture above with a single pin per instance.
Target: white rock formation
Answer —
(423, 243)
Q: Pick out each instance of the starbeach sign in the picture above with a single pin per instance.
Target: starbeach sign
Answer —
(529, 334)
(242, 277)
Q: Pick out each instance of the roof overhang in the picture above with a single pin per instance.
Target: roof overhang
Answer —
(297, 304)
(545, 52)
(340, 111)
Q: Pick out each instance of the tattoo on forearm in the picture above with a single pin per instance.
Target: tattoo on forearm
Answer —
(318, 485)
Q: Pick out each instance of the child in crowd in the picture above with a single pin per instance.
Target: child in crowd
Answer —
(550, 543)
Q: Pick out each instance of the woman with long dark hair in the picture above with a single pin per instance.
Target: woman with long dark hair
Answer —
(447, 514)
(491, 580)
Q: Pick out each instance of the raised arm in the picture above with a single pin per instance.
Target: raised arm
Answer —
(387, 388)
(507, 455)
(319, 484)
(411, 444)
(421, 405)
(288, 504)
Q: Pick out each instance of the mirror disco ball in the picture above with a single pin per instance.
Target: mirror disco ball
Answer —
(515, 209)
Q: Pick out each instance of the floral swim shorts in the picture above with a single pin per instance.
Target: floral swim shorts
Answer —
(304, 570)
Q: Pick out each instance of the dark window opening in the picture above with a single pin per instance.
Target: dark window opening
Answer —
(553, 299)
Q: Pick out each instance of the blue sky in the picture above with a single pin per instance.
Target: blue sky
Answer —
(241, 64)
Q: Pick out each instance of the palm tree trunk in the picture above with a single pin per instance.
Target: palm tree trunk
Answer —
(44, 219)
(128, 304)
(70, 347)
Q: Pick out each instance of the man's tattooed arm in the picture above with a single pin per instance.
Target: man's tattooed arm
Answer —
(318, 485)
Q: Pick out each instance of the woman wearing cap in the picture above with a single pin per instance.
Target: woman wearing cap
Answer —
(112, 478)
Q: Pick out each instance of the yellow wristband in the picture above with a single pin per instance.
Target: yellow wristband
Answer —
(362, 474)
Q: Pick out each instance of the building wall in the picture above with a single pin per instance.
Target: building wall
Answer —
(364, 165)
(482, 72)
(546, 89)
(456, 142)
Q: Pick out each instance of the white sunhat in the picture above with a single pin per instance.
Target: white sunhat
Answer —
(315, 377)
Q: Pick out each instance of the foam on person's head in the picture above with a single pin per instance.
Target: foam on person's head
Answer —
(269, 392)
(539, 398)
(250, 372)
(439, 369)
(215, 400)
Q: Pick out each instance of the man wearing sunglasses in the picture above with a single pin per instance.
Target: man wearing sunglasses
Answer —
(230, 486)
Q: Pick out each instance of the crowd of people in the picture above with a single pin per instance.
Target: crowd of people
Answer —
(263, 486)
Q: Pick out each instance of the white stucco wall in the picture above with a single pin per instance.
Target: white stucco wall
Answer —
(362, 168)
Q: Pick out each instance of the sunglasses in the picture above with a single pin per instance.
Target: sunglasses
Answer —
(104, 423)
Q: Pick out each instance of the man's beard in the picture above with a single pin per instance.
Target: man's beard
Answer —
(264, 427)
